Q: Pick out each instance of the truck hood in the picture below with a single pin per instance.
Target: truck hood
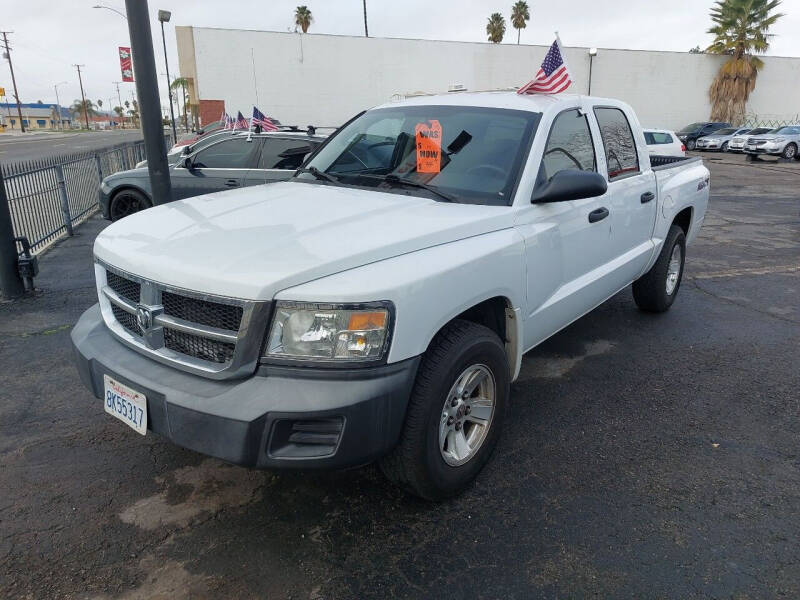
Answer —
(253, 242)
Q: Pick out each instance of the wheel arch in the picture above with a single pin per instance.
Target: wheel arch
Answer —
(684, 220)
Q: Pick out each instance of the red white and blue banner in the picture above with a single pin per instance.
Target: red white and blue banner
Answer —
(553, 76)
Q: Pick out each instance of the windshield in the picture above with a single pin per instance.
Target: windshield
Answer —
(692, 127)
(470, 154)
(729, 131)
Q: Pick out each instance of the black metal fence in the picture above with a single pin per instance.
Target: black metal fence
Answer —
(49, 197)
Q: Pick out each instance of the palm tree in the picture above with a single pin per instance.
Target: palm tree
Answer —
(181, 82)
(77, 108)
(303, 18)
(520, 15)
(496, 28)
(100, 104)
(119, 110)
(740, 31)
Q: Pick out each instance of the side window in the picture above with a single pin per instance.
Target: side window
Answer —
(618, 143)
(283, 154)
(230, 154)
(569, 145)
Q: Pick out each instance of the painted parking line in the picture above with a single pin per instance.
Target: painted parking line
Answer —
(747, 271)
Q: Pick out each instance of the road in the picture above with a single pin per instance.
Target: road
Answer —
(14, 148)
(646, 456)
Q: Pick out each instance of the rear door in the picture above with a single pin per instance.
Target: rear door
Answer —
(279, 158)
(222, 165)
(631, 193)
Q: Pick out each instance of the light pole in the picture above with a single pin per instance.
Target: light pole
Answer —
(58, 104)
(592, 54)
(120, 13)
(164, 17)
(119, 97)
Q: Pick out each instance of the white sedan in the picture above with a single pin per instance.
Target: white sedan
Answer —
(663, 142)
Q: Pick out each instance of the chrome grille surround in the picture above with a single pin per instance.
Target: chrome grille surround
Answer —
(229, 351)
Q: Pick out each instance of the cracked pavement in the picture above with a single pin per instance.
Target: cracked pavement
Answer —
(644, 457)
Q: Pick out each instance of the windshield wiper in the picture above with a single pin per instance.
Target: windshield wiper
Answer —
(393, 179)
(321, 175)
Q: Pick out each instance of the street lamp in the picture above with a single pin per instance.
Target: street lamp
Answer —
(121, 14)
(58, 104)
(163, 17)
(592, 54)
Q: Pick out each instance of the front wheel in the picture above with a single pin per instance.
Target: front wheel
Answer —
(127, 202)
(655, 291)
(724, 147)
(455, 413)
(790, 151)
(690, 145)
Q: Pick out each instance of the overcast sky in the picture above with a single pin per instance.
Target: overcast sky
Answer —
(50, 36)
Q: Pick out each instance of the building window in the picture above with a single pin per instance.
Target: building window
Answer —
(41, 122)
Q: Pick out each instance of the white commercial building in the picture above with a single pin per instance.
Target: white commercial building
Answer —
(325, 79)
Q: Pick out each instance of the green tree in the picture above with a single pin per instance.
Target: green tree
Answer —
(181, 83)
(77, 108)
(520, 15)
(303, 18)
(740, 31)
(100, 104)
(496, 28)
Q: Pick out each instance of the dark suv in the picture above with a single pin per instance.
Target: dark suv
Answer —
(689, 134)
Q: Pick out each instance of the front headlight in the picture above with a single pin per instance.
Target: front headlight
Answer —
(335, 334)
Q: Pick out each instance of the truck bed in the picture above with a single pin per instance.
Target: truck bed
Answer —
(659, 162)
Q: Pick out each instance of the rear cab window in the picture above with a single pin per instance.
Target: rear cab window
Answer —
(622, 159)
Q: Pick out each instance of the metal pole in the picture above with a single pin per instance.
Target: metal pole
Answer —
(366, 31)
(83, 96)
(11, 284)
(119, 97)
(13, 80)
(589, 92)
(169, 86)
(144, 66)
(58, 104)
(62, 194)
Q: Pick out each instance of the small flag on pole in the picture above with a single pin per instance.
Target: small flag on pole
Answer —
(553, 76)
(241, 122)
(228, 122)
(262, 121)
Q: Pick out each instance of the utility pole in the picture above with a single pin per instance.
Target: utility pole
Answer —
(83, 97)
(366, 31)
(144, 66)
(119, 97)
(7, 56)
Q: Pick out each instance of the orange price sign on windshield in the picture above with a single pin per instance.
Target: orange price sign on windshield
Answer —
(429, 146)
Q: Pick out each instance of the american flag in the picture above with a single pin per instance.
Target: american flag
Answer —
(264, 122)
(241, 122)
(228, 121)
(553, 76)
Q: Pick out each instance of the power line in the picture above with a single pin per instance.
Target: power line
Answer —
(7, 56)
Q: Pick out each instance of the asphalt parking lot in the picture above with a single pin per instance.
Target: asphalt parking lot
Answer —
(645, 457)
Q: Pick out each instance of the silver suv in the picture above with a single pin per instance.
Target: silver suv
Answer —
(783, 141)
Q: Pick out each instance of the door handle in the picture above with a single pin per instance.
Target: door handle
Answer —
(647, 196)
(598, 215)
(231, 183)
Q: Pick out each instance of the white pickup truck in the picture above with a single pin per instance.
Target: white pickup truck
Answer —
(377, 305)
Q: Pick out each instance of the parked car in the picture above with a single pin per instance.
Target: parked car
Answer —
(720, 139)
(689, 134)
(782, 141)
(175, 153)
(664, 142)
(377, 305)
(192, 137)
(226, 162)
(738, 141)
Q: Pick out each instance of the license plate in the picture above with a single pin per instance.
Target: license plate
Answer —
(126, 404)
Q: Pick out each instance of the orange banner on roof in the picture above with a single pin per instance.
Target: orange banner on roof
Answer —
(429, 147)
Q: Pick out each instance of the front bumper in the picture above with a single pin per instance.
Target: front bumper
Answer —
(765, 149)
(279, 418)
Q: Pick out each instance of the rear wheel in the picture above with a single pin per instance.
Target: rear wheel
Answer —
(655, 291)
(690, 145)
(127, 202)
(790, 151)
(455, 413)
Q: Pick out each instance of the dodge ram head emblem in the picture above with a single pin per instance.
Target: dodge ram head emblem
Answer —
(144, 317)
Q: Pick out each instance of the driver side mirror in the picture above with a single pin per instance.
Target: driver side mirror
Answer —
(570, 184)
(186, 163)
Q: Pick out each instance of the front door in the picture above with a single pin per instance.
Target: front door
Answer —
(279, 159)
(567, 244)
(220, 166)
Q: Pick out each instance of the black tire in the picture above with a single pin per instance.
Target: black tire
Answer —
(417, 462)
(691, 144)
(790, 151)
(650, 290)
(126, 202)
(724, 147)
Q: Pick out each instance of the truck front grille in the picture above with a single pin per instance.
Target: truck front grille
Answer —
(211, 335)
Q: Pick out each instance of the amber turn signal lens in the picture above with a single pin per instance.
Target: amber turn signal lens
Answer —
(364, 321)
